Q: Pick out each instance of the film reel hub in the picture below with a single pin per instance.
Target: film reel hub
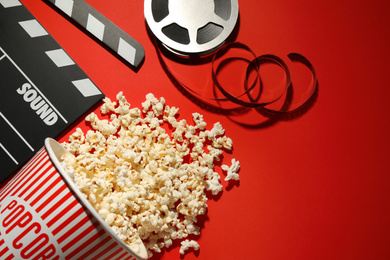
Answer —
(191, 27)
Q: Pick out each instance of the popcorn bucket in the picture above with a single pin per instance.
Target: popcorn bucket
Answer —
(44, 216)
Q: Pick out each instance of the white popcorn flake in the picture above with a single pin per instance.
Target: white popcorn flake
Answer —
(107, 106)
(187, 244)
(198, 119)
(214, 185)
(110, 218)
(216, 131)
(147, 185)
(232, 171)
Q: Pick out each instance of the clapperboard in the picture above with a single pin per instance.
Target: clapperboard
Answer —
(42, 90)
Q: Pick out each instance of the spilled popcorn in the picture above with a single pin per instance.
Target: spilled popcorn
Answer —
(145, 183)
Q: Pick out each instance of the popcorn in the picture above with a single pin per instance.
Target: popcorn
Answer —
(213, 184)
(232, 171)
(187, 244)
(147, 185)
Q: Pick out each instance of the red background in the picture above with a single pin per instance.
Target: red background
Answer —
(315, 187)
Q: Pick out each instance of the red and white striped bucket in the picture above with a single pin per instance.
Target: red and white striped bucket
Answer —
(44, 216)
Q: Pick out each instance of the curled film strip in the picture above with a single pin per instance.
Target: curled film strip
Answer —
(177, 36)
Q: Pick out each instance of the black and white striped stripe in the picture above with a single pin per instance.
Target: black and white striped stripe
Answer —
(103, 29)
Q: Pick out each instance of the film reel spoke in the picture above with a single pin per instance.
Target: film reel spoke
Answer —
(193, 34)
(219, 21)
(165, 22)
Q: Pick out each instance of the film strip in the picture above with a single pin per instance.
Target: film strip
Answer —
(103, 30)
(42, 91)
(185, 43)
(246, 99)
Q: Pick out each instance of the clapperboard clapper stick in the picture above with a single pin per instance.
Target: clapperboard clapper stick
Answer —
(42, 90)
(103, 29)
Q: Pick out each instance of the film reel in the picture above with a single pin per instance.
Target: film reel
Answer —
(192, 27)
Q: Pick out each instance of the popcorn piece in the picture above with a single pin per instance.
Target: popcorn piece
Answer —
(147, 185)
(103, 126)
(216, 131)
(198, 119)
(187, 244)
(214, 185)
(107, 106)
(232, 171)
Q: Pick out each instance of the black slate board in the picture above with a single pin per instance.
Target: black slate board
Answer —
(42, 90)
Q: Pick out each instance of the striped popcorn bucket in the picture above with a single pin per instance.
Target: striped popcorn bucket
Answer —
(44, 216)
